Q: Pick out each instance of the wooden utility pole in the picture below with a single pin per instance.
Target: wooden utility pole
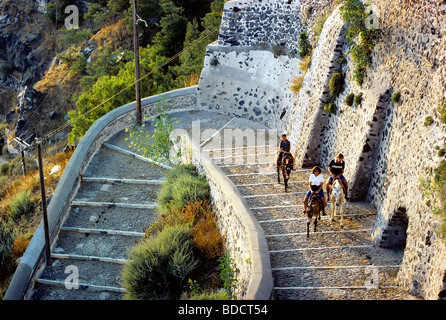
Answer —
(137, 74)
(44, 209)
(23, 162)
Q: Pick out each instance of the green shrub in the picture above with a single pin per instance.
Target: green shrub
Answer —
(353, 12)
(428, 121)
(219, 295)
(158, 267)
(440, 186)
(4, 168)
(350, 99)
(23, 204)
(8, 234)
(442, 110)
(4, 182)
(358, 99)
(396, 97)
(15, 167)
(227, 274)
(182, 185)
(180, 170)
(304, 45)
(336, 84)
(330, 107)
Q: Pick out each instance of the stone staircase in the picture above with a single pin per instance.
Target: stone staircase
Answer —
(114, 203)
(333, 263)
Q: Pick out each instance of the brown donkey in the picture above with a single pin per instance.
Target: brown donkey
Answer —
(313, 210)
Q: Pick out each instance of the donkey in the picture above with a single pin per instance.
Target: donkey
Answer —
(313, 210)
(337, 200)
(285, 165)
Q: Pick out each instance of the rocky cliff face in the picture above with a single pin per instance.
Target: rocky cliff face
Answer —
(26, 52)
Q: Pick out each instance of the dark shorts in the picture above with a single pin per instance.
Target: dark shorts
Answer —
(330, 179)
(320, 194)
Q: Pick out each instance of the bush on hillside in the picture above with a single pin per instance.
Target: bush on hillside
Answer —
(336, 84)
(23, 204)
(15, 167)
(350, 99)
(440, 186)
(396, 97)
(158, 267)
(442, 110)
(4, 168)
(304, 45)
(8, 234)
(358, 99)
(182, 186)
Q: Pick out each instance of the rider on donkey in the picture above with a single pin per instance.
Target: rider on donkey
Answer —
(336, 169)
(316, 183)
(284, 147)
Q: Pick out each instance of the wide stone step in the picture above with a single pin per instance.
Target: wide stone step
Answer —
(279, 212)
(364, 276)
(114, 218)
(282, 199)
(245, 149)
(342, 293)
(299, 241)
(59, 292)
(117, 192)
(351, 222)
(339, 256)
(247, 177)
(96, 273)
(273, 187)
(112, 164)
(94, 244)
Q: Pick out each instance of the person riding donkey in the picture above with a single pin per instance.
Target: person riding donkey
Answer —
(284, 148)
(336, 170)
(316, 182)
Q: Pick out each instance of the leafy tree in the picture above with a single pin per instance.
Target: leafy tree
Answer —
(169, 40)
(191, 61)
(107, 86)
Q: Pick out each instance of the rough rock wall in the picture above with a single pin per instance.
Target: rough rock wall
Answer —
(261, 23)
(387, 146)
(308, 118)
